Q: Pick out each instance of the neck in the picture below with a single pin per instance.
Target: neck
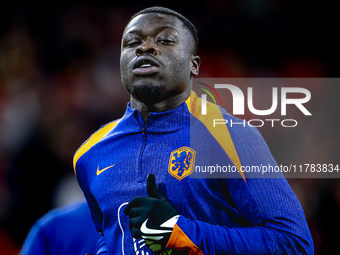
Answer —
(161, 106)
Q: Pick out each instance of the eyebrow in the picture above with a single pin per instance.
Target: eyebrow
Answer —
(158, 29)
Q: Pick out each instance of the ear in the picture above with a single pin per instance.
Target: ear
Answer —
(195, 65)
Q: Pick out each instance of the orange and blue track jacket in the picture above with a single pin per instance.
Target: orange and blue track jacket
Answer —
(205, 172)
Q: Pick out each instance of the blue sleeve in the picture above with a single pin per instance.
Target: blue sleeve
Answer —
(277, 223)
(35, 243)
(278, 227)
(96, 213)
(101, 245)
(65, 230)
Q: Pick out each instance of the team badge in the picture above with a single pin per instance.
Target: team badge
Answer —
(182, 162)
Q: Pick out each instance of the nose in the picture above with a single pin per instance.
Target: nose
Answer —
(146, 47)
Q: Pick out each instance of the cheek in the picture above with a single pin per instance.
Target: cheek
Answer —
(181, 66)
(124, 70)
(123, 62)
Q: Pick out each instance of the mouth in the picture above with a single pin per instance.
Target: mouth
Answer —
(145, 66)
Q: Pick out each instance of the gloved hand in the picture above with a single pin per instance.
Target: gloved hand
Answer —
(152, 218)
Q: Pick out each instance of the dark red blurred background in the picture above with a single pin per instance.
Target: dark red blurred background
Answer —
(60, 81)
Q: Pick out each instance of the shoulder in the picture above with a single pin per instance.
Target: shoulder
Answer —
(239, 128)
(225, 127)
(247, 139)
(67, 225)
(68, 213)
(92, 140)
(60, 219)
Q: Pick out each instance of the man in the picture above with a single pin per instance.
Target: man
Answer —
(160, 139)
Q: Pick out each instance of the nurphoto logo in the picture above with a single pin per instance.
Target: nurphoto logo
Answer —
(240, 100)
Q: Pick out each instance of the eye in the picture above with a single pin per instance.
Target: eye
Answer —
(133, 42)
(166, 41)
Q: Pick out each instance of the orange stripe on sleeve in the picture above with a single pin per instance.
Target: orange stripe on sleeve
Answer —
(95, 138)
(219, 132)
(180, 241)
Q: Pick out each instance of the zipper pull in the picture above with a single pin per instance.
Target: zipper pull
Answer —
(143, 130)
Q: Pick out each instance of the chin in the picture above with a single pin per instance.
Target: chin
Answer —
(149, 93)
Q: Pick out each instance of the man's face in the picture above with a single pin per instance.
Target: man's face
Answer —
(156, 57)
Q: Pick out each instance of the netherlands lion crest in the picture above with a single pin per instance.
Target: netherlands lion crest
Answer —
(182, 162)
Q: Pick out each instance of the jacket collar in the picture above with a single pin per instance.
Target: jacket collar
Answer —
(159, 122)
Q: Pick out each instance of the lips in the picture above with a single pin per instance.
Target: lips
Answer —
(145, 66)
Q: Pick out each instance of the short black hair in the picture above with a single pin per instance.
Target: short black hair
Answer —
(164, 10)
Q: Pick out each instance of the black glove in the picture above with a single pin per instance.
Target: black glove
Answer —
(152, 218)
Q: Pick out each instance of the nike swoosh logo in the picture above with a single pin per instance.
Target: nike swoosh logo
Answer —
(100, 171)
(149, 231)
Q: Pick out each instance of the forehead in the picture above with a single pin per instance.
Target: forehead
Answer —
(150, 21)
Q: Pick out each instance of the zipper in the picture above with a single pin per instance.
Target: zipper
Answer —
(142, 152)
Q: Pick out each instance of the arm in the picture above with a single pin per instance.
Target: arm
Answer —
(277, 224)
(101, 245)
(278, 227)
(96, 213)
